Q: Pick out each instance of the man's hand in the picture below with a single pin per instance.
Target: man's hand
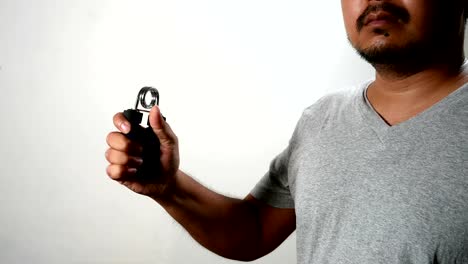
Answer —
(233, 228)
(125, 157)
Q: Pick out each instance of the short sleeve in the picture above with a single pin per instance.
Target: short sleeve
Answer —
(274, 188)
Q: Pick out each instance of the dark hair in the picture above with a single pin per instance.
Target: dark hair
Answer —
(465, 11)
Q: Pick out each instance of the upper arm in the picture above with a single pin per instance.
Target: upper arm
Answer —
(276, 224)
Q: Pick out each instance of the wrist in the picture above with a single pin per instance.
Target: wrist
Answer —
(171, 190)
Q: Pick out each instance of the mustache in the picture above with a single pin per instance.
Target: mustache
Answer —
(395, 11)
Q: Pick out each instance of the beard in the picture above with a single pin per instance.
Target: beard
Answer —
(441, 44)
(395, 56)
(413, 56)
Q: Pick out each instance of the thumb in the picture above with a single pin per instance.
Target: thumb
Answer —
(163, 131)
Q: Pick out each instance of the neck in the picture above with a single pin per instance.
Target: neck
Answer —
(421, 80)
(399, 96)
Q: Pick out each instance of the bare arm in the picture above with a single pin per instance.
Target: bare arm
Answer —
(238, 229)
(233, 228)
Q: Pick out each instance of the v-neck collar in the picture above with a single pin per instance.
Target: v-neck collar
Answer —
(383, 129)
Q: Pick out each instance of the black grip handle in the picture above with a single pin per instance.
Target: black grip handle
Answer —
(148, 140)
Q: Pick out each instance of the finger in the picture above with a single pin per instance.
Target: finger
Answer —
(166, 136)
(121, 123)
(122, 158)
(118, 172)
(120, 142)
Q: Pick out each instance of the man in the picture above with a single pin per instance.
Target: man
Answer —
(373, 175)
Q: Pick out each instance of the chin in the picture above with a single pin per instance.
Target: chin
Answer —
(386, 48)
(383, 52)
(401, 60)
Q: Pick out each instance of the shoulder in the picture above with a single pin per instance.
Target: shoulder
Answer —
(336, 101)
(331, 108)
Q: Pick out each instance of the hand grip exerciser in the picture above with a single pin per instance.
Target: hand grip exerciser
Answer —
(145, 135)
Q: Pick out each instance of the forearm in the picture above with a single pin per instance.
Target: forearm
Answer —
(229, 227)
(233, 228)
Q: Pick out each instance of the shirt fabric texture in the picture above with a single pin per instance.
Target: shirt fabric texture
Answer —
(367, 192)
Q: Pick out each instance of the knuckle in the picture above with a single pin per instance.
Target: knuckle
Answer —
(112, 138)
(107, 155)
(111, 156)
(110, 171)
(125, 146)
(117, 117)
(123, 159)
(109, 138)
(167, 143)
(114, 171)
(118, 141)
(118, 157)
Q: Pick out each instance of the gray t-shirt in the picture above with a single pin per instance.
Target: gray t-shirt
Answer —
(367, 192)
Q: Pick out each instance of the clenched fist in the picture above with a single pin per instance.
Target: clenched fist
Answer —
(125, 157)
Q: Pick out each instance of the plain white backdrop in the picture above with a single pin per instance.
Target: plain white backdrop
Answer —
(234, 77)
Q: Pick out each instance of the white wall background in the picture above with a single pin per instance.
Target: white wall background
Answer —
(234, 77)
